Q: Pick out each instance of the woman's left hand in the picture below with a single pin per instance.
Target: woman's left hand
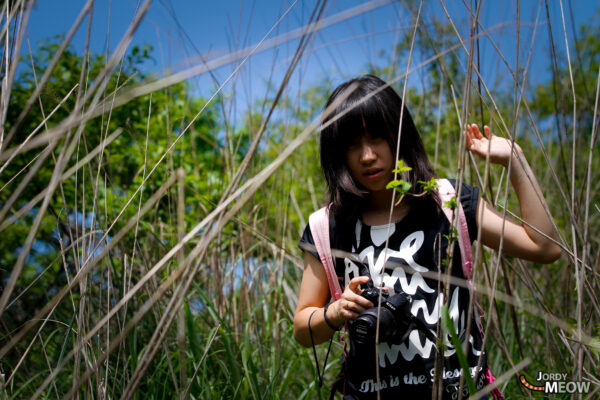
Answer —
(533, 240)
(499, 149)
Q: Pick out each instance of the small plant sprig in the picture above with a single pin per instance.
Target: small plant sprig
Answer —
(429, 186)
(401, 186)
(452, 232)
(451, 204)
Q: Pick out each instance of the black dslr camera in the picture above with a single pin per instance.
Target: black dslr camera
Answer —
(395, 318)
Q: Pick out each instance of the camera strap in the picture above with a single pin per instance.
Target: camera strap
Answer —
(319, 227)
(312, 342)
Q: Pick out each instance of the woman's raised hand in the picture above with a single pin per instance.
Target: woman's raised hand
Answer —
(351, 304)
(499, 149)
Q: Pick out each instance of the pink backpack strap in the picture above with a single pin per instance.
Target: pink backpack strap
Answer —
(496, 393)
(319, 227)
(447, 192)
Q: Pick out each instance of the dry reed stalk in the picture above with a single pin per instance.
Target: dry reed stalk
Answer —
(208, 346)
(504, 126)
(97, 87)
(9, 75)
(90, 263)
(397, 157)
(245, 192)
(181, 329)
(17, 269)
(66, 175)
(57, 132)
(172, 79)
(304, 39)
(49, 136)
(66, 151)
(161, 329)
(506, 192)
(586, 247)
(35, 95)
(578, 278)
(501, 379)
(523, 278)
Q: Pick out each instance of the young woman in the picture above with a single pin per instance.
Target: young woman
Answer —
(358, 156)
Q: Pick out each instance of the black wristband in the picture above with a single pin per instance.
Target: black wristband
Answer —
(328, 322)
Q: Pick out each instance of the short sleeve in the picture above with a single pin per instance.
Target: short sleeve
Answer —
(469, 198)
(307, 243)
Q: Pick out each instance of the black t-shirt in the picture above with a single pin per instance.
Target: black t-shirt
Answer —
(415, 249)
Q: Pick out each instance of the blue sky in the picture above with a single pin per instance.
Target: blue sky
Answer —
(180, 30)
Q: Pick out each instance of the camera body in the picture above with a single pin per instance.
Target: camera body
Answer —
(395, 318)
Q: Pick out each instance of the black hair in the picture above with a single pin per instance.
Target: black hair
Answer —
(371, 106)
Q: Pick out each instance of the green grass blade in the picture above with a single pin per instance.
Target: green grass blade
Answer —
(462, 359)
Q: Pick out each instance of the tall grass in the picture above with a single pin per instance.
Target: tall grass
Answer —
(149, 235)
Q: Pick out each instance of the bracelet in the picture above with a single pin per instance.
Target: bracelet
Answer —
(328, 322)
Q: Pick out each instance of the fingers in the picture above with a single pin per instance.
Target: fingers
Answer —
(476, 141)
(352, 294)
(352, 303)
(472, 134)
(488, 145)
(473, 129)
(486, 130)
(355, 282)
(358, 300)
(469, 137)
(476, 132)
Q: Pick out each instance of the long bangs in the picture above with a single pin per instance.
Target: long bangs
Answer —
(374, 108)
(363, 112)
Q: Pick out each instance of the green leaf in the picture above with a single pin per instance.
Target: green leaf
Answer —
(192, 332)
(429, 185)
(401, 168)
(400, 185)
(451, 204)
(393, 184)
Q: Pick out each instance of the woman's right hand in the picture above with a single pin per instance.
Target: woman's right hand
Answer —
(351, 304)
(314, 295)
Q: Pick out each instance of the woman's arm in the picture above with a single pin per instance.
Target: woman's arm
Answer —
(314, 294)
(520, 240)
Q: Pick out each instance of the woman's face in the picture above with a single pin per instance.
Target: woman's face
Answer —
(370, 162)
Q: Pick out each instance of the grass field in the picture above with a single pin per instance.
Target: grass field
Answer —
(149, 234)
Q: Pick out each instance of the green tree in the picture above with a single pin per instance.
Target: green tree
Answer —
(85, 204)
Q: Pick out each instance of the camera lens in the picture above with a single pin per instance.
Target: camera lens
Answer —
(394, 318)
(363, 329)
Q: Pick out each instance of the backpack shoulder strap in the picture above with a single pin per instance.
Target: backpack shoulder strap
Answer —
(447, 192)
(319, 228)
